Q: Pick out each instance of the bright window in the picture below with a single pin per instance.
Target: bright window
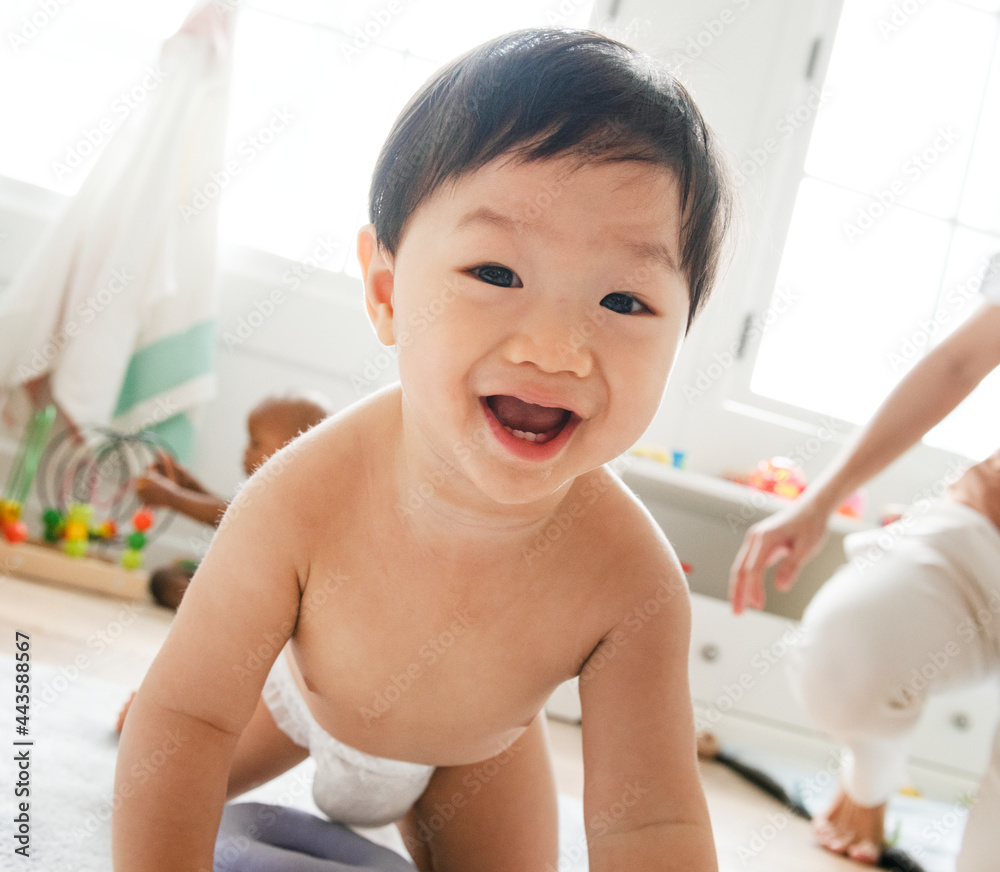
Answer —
(895, 217)
(339, 72)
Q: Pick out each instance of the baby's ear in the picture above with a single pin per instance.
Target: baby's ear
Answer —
(377, 275)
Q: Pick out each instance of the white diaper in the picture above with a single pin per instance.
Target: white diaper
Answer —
(350, 787)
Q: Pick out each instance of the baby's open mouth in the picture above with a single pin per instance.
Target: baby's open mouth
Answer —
(527, 420)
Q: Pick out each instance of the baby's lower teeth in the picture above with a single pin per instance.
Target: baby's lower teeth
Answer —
(530, 437)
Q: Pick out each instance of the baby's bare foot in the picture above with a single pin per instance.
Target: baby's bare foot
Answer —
(852, 830)
(123, 712)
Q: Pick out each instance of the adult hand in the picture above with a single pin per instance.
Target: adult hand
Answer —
(789, 538)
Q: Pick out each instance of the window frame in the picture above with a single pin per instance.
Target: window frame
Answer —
(734, 395)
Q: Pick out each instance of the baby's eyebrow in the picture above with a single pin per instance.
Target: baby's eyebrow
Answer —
(656, 251)
(486, 215)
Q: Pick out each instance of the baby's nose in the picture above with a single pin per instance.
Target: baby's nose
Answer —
(554, 346)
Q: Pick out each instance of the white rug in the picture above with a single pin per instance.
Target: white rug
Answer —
(72, 775)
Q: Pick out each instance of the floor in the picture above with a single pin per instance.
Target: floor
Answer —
(109, 639)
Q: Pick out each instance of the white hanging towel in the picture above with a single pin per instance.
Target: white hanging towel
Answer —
(116, 306)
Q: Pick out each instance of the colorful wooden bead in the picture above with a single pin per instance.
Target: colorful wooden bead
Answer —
(136, 540)
(142, 520)
(75, 547)
(81, 512)
(131, 559)
(76, 530)
(15, 531)
(108, 529)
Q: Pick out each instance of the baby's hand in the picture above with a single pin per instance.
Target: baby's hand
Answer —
(166, 466)
(156, 490)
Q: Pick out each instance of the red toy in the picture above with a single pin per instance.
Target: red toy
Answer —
(15, 531)
(142, 520)
(779, 476)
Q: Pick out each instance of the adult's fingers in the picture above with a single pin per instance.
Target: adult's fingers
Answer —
(787, 572)
(736, 577)
(772, 550)
(804, 547)
(762, 550)
(746, 578)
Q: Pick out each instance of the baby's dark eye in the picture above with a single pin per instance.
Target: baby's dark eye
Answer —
(497, 275)
(622, 304)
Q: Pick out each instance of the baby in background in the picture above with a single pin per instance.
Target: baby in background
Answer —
(547, 219)
(273, 422)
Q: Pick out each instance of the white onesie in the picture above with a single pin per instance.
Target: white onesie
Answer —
(350, 787)
(991, 282)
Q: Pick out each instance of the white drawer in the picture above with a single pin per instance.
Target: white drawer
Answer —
(737, 664)
(957, 729)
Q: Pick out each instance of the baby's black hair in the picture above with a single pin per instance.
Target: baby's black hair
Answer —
(553, 92)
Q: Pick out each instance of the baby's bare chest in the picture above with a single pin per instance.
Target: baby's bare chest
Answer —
(434, 663)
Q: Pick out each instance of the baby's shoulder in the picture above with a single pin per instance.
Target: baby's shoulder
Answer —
(611, 505)
(619, 527)
(624, 561)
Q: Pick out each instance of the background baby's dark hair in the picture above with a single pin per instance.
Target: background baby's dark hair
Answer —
(542, 93)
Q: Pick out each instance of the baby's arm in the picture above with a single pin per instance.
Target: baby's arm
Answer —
(644, 806)
(158, 490)
(177, 473)
(200, 692)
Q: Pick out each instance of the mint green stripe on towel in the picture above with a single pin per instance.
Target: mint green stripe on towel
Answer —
(179, 435)
(167, 363)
